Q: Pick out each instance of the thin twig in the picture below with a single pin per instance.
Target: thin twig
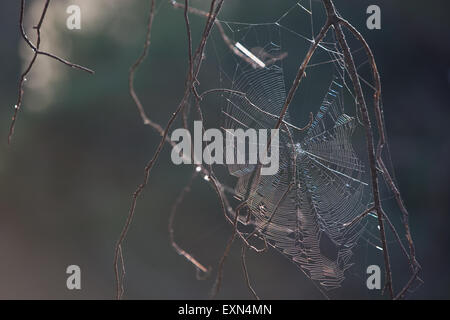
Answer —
(214, 11)
(37, 52)
(350, 64)
(359, 217)
(245, 271)
(219, 276)
(138, 62)
(381, 142)
(122, 262)
(177, 248)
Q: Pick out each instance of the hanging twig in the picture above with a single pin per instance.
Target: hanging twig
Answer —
(214, 11)
(178, 249)
(136, 65)
(37, 51)
(350, 65)
(375, 158)
(245, 271)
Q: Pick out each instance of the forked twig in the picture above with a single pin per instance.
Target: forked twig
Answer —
(350, 65)
(382, 139)
(214, 11)
(37, 51)
(375, 156)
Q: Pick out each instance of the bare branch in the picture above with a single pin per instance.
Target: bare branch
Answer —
(177, 248)
(214, 11)
(37, 52)
(350, 64)
(246, 276)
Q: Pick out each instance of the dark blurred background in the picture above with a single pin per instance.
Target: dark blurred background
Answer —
(80, 148)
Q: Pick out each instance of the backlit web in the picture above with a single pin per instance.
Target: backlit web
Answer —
(323, 181)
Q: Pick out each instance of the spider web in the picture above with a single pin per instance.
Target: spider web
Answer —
(323, 181)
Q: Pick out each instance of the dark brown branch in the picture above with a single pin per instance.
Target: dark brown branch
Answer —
(359, 217)
(351, 68)
(402, 293)
(381, 143)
